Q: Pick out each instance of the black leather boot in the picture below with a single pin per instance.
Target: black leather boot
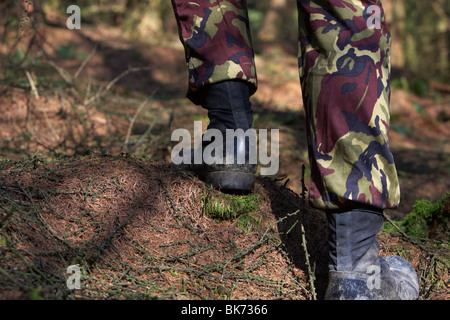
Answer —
(356, 271)
(229, 107)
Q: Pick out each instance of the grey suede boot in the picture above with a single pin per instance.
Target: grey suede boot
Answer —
(356, 271)
(229, 107)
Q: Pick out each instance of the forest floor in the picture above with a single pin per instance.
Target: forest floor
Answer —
(86, 178)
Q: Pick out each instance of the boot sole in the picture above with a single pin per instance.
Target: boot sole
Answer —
(231, 181)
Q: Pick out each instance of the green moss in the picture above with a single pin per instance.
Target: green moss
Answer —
(229, 207)
(427, 219)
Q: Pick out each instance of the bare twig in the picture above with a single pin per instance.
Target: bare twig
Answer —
(130, 127)
(304, 189)
(311, 276)
(394, 225)
(63, 73)
(85, 62)
(24, 18)
(33, 86)
(108, 87)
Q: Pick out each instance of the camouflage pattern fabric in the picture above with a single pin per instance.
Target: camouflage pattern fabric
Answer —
(344, 67)
(217, 41)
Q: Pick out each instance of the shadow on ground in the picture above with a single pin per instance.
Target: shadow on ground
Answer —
(138, 230)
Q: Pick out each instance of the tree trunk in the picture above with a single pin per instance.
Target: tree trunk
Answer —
(279, 22)
(395, 12)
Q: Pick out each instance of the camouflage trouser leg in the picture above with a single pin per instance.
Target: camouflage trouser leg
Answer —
(217, 42)
(344, 70)
(345, 74)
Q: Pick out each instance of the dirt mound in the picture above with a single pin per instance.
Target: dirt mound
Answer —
(140, 230)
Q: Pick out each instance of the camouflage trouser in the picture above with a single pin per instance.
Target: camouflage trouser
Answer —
(344, 67)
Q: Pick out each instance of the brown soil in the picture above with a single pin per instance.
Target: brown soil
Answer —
(138, 230)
